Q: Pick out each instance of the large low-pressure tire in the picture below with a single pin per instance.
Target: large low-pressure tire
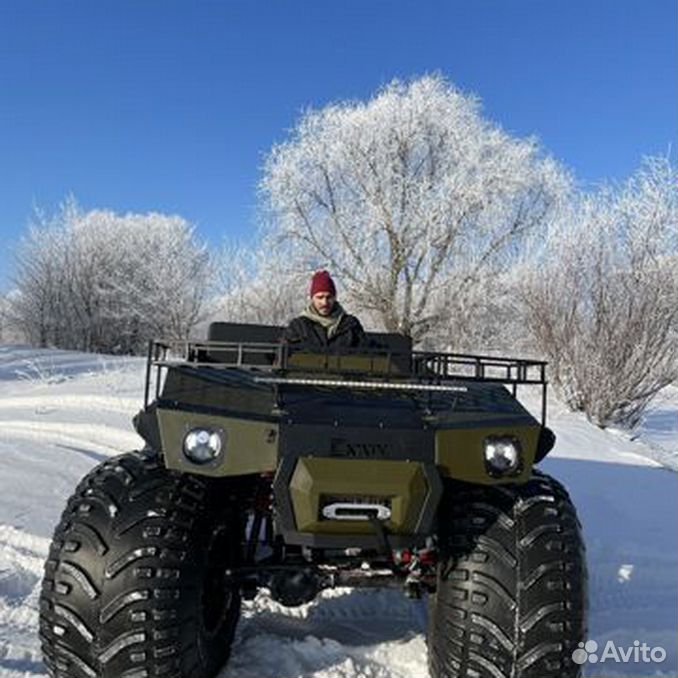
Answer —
(135, 581)
(511, 585)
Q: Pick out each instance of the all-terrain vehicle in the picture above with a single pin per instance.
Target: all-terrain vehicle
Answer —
(267, 466)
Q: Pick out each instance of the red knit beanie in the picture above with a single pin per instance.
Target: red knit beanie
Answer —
(322, 282)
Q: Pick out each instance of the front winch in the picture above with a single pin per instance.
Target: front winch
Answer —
(325, 502)
(344, 510)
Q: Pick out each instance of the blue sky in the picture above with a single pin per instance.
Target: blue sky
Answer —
(167, 105)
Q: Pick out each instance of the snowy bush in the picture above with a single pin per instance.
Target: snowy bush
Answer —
(603, 304)
(410, 198)
(99, 281)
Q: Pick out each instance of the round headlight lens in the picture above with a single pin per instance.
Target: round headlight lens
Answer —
(502, 455)
(202, 445)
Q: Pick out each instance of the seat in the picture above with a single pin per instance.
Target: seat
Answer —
(243, 333)
(398, 344)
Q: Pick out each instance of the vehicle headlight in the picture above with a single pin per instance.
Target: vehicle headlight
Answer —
(503, 455)
(202, 445)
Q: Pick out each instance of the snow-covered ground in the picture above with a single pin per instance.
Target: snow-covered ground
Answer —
(61, 413)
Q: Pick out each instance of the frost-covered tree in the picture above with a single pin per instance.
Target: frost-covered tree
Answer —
(409, 198)
(487, 319)
(257, 285)
(99, 281)
(41, 275)
(9, 333)
(602, 302)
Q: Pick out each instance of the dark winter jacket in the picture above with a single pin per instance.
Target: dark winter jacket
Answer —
(302, 332)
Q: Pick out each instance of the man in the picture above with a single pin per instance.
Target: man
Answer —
(324, 324)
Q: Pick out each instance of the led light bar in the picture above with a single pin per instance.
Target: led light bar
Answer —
(398, 386)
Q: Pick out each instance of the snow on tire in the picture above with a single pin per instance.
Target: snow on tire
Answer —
(135, 581)
(511, 584)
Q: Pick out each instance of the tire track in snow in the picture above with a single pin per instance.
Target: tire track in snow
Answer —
(95, 437)
(343, 633)
(22, 556)
(30, 549)
(73, 402)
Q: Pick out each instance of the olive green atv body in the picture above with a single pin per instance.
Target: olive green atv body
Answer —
(382, 466)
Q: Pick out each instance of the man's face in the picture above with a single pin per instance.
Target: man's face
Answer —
(323, 302)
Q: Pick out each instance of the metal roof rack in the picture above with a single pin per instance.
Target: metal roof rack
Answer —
(379, 368)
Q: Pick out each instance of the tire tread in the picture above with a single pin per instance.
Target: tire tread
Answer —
(524, 573)
(111, 602)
